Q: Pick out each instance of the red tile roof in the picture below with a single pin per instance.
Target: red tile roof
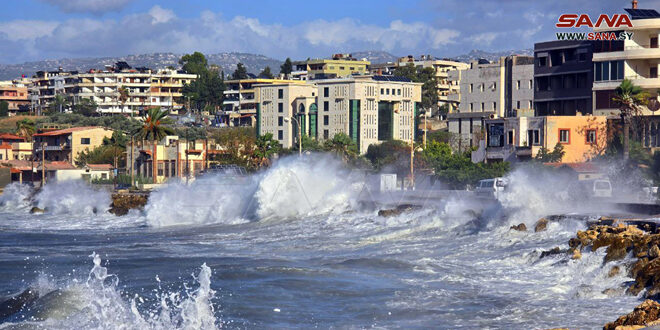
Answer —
(7, 136)
(67, 131)
(100, 167)
(5, 146)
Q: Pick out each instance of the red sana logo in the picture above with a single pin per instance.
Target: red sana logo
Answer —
(583, 20)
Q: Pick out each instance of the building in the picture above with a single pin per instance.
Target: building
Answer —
(442, 67)
(144, 88)
(369, 109)
(175, 158)
(636, 60)
(563, 78)
(14, 147)
(515, 139)
(239, 107)
(66, 144)
(340, 66)
(490, 90)
(16, 96)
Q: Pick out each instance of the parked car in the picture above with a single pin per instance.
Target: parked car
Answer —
(602, 188)
(491, 188)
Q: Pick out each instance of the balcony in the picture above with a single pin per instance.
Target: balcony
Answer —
(52, 148)
(632, 52)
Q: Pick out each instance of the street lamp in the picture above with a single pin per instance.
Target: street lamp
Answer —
(287, 119)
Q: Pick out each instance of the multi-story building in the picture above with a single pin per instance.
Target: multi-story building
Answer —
(369, 109)
(563, 77)
(175, 158)
(239, 107)
(442, 67)
(521, 138)
(144, 88)
(16, 95)
(66, 144)
(490, 90)
(14, 147)
(636, 60)
(340, 66)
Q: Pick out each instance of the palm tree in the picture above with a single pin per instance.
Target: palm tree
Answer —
(153, 130)
(123, 97)
(342, 145)
(25, 128)
(630, 99)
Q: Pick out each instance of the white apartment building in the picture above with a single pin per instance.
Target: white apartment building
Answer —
(369, 109)
(490, 90)
(637, 60)
(144, 88)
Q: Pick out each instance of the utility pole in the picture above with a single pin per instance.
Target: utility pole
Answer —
(131, 162)
(43, 164)
(412, 148)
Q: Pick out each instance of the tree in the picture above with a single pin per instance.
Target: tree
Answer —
(240, 72)
(266, 74)
(154, 131)
(286, 68)
(342, 145)
(205, 92)
(86, 107)
(426, 76)
(124, 95)
(4, 108)
(25, 128)
(59, 104)
(194, 63)
(554, 156)
(389, 153)
(630, 99)
(266, 146)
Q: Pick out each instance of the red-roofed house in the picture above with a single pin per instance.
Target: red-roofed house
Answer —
(584, 171)
(65, 144)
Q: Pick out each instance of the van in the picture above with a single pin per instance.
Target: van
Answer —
(602, 188)
(491, 188)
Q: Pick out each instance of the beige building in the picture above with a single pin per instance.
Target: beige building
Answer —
(239, 107)
(175, 158)
(16, 95)
(341, 65)
(442, 67)
(369, 109)
(66, 144)
(490, 90)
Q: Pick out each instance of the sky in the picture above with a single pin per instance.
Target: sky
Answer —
(33, 30)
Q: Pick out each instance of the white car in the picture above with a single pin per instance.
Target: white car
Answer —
(602, 189)
(491, 188)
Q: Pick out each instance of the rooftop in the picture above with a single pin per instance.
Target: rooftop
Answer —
(67, 131)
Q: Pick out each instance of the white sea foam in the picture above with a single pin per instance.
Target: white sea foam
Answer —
(72, 197)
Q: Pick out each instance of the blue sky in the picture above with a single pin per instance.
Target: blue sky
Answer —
(48, 29)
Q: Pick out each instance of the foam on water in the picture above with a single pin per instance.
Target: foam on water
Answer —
(15, 196)
(97, 303)
(72, 197)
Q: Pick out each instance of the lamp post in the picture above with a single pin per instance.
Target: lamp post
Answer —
(287, 119)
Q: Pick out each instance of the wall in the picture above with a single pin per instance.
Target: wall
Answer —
(577, 150)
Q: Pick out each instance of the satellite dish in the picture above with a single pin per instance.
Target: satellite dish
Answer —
(653, 105)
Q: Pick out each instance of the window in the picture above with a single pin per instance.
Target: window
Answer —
(543, 61)
(326, 106)
(582, 57)
(280, 107)
(398, 92)
(471, 88)
(533, 137)
(280, 135)
(160, 169)
(494, 106)
(326, 91)
(518, 84)
(387, 91)
(591, 136)
(481, 87)
(84, 141)
(326, 120)
(382, 91)
(531, 84)
(483, 107)
(494, 86)
(280, 121)
(564, 136)
(517, 104)
(341, 68)
(471, 107)
(510, 141)
(530, 105)
(280, 93)
(326, 134)
(352, 68)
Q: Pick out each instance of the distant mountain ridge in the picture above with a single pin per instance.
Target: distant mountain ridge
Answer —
(227, 62)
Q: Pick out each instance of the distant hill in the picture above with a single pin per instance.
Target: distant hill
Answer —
(491, 56)
(227, 61)
(375, 56)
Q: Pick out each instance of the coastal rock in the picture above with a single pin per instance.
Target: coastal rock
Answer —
(520, 227)
(551, 252)
(576, 254)
(643, 315)
(122, 203)
(36, 210)
(654, 251)
(398, 210)
(614, 271)
(541, 225)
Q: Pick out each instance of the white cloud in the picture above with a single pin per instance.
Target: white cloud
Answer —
(27, 29)
(89, 6)
(161, 15)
